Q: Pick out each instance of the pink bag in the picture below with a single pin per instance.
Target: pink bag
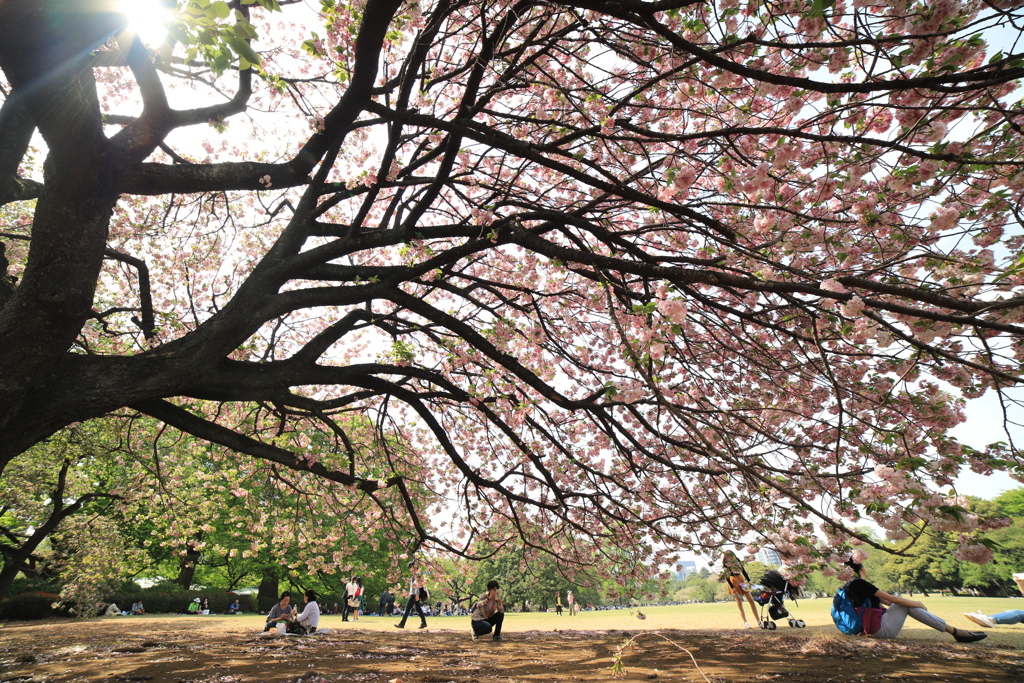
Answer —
(871, 618)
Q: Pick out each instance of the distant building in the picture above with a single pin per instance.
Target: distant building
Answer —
(684, 569)
(769, 556)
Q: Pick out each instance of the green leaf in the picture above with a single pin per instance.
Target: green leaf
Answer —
(245, 29)
(221, 9)
(179, 34)
(818, 7)
(243, 49)
(990, 544)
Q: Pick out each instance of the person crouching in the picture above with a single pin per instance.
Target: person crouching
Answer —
(489, 613)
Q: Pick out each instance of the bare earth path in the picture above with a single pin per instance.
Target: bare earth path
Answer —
(229, 650)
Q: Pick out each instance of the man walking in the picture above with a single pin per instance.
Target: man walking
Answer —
(489, 613)
(416, 591)
(382, 605)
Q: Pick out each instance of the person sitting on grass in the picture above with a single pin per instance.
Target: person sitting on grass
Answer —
(489, 613)
(193, 607)
(1010, 616)
(234, 608)
(137, 607)
(865, 594)
(282, 611)
(309, 618)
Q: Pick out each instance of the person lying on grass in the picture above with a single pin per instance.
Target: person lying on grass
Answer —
(1010, 616)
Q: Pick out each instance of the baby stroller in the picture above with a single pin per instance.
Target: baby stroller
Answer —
(772, 596)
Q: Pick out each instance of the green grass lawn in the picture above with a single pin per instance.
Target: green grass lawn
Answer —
(700, 617)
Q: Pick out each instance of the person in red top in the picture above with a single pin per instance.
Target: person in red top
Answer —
(355, 600)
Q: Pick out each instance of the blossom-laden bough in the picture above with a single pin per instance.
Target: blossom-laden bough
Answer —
(610, 277)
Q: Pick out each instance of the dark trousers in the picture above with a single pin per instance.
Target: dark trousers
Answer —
(484, 626)
(408, 610)
(381, 607)
(344, 607)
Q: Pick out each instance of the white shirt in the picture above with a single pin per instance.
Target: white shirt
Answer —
(310, 615)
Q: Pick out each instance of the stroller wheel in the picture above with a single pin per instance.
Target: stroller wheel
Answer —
(791, 623)
(800, 623)
(772, 626)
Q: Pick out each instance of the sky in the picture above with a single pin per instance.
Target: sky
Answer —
(984, 426)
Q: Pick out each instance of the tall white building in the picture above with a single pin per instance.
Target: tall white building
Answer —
(684, 569)
(769, 556)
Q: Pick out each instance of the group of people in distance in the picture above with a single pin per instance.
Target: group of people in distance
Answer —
(198, 606)
(352, 600)
(864, 594)
(113, 610)
(487, 617)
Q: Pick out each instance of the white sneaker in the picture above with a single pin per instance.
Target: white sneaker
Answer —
(746, 624)
(981, 619)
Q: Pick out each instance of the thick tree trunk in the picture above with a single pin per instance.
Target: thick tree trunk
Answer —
(9, 572)
(187, 568)
(44, 51)
(268, 594)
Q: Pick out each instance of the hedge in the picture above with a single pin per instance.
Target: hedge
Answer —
(33, 605)
(161, 601)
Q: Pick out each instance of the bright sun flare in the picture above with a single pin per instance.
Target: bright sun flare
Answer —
(148, 18)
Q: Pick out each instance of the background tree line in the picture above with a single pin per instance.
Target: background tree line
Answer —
(86, 513)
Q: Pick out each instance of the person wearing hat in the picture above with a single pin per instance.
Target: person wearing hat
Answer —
(193, 607)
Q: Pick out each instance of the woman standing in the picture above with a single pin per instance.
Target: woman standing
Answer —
(735, 576)
(355, 599)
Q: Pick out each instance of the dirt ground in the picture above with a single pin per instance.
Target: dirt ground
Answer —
(166, 650)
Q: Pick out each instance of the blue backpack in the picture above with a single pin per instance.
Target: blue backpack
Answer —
(845, 615)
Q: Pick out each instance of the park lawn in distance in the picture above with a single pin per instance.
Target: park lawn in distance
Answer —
(694, 617)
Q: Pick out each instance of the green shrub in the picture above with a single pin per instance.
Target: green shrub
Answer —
(158, 601)
(34, 584)
(24, 606)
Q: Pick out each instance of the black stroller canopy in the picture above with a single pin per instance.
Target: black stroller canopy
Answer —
(774, 580)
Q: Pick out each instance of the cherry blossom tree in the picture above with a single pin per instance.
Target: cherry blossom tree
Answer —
(605, 277)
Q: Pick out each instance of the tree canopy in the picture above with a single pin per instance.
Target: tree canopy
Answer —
(603, 277)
